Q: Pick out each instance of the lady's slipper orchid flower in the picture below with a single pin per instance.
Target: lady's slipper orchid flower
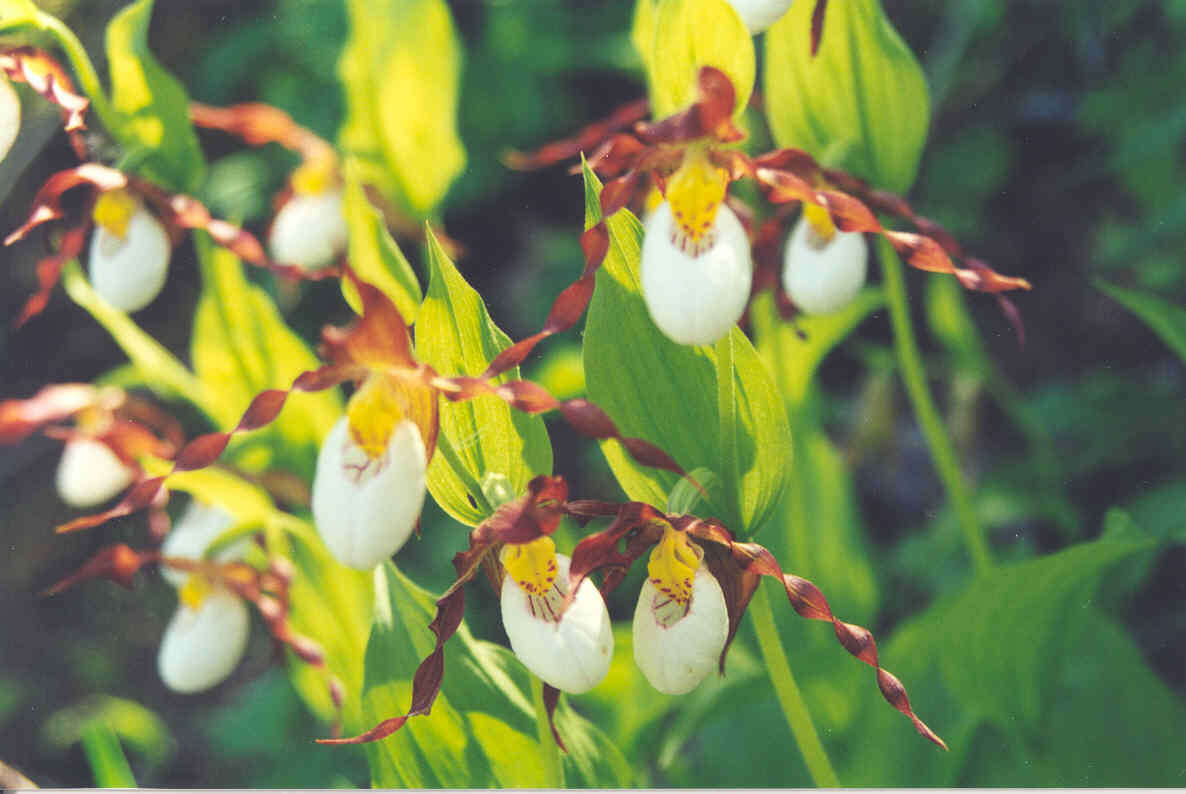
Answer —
(371, 479)
(205, 639)
(681, 623)
(89, 473)
(823, 269)
(570, 651)
(760, 14)
(310, 230)
(130, 250)
(696, 269)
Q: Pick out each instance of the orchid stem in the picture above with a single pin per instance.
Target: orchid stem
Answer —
(553, 765)
(794, 708)
(915, 378)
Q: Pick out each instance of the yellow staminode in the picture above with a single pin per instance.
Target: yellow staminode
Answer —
(194, 591)
(820, 221)
(532, 565)
(114, 210)
(314, 177)
(673, 565)
(374, 411)
(695, 191)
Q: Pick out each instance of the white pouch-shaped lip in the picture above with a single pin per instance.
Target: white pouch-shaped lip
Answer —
(129, 272)
(309, 231)
(10, 116)
(695, 299)
(573, 654)
(197, 527)
(758, 15)
(823, 276)
(366, 509)
(202, 646)
(677, 653)
(89, 473)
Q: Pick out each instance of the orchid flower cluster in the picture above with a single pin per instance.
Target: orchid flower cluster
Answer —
(704, 256)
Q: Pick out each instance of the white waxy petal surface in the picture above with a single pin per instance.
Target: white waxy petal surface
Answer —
(129, 273)
(573, 655)
(10, 116)
(760, 14)
(365, 510)
(823, 279)
(89, 473)
(677, 658)
(194, 531)
(202, 646)
(695, 300)
(309, 230)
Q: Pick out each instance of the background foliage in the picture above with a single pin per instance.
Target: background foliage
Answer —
(1054, 151)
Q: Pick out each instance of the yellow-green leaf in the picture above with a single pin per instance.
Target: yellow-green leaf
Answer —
(689, 34)
(860, 103)
(374, 255)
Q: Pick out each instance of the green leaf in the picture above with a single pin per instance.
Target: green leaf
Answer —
(241, 346)
(666, 393)
(482, 730)
(137, 726)
(151, 107)
(456, 336)
(401, 68)
(642, 30)
(688, 34)
(1028, 683)
(14, 13)
(374, 255)
(108, 763)
(1167, 320)
(860, 103)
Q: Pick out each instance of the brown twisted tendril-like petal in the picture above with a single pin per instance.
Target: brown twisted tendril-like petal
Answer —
(47, 77)
(258, 123)
(583, 141)
(49, 272)
(21, 418)
(47, 203)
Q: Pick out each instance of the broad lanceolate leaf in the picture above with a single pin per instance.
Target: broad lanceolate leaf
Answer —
(1033, 685)
(688, 34)
(1167, 320)
(860, 103)
(401, 67)
(481, 731)
(454, 334)
(241, 346)
(666, 393)
(374, 255)
(150, 105)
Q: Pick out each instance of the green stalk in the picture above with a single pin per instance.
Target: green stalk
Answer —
(727, 411)
(915, 378)
(794, 708)
(106, 757)
(553, 765)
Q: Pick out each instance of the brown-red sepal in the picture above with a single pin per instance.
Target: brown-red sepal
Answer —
(258, 123)
(709, 116)
(817, 24)
(47, 77)
(54, 403)
(551, 700)
(49, 272)
(47, 203)
(119, 563)
(583, 141)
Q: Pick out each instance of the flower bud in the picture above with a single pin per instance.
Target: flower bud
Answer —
(309, 230)
(823, 269)
(10, 116)
(89, 473)
(193, 533)
(760, 14)
(130, 250)
(366, 500)
(696, 291)
(573, 653)
(681, 622)
(203, 644)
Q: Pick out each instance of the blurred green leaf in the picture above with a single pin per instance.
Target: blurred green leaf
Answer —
(401, 68)
(241, 346)
(17, 12)
(1027, 682)
(456, 336)
(375, 256)
(666, 393)
(482, 730)
(689, 34)
(860, 103)
(151, 106)
(642, 30)
(1167, 320)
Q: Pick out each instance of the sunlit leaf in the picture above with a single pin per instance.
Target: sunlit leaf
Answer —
(688, 34)
(374, 255)
(482, 436)
(150, 104)
(666, 393)
(860, 103)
